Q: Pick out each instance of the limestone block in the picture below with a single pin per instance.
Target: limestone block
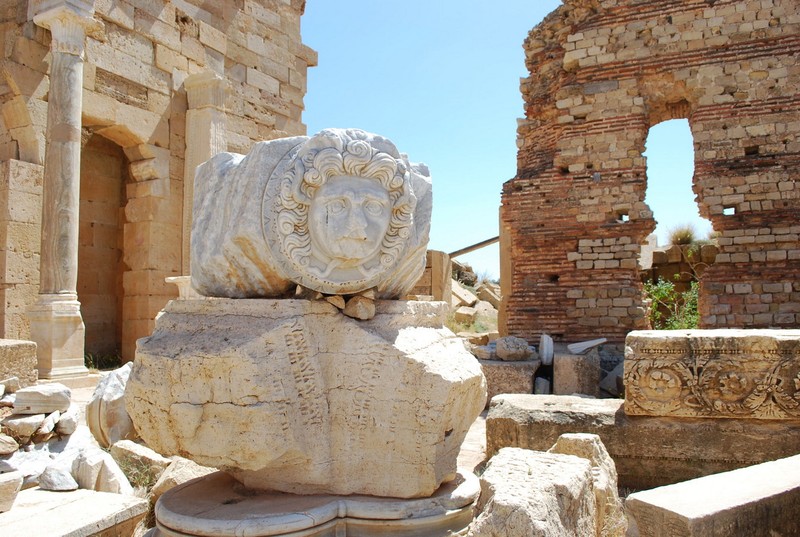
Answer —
(106, 415)
(22, 426)
(511, 348)
(178, 472)
(359, 307)
(531, 494)
(648, 451)
(10, 483)
(463, 296)
(490, 293)
(508, 377)
(610, 516)
(339, 213)
(376, 407)
(141, 459)
(713, 373)
(18, 359)
(757, 500)
(576, 374)
(465, 315)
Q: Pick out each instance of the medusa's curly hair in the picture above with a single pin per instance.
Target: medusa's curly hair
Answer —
(332, 153)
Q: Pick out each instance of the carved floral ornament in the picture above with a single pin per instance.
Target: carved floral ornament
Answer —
(716, 384)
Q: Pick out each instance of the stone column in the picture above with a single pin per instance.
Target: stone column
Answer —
(205, 137)
(56, 323)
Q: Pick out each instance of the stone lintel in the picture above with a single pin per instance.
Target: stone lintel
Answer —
(713, 373)
(757, 500)
(205, 89)
(648, 451)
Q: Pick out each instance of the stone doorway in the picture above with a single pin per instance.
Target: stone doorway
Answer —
(104, 173)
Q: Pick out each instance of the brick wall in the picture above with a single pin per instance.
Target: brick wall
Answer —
(574, 217)
(134, 97)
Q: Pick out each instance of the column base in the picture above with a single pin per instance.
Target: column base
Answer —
(219, 505)
(58, 331)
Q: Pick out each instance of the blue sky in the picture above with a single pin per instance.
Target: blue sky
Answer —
(441, 80)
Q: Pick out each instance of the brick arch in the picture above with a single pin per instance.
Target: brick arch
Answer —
(602, 73)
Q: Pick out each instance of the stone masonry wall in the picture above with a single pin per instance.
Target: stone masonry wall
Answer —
(134, 96)
(574, 217)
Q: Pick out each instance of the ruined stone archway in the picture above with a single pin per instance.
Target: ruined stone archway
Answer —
(603, 72)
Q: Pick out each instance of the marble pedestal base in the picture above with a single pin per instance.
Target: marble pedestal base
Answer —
(218, 505)
(58, 330)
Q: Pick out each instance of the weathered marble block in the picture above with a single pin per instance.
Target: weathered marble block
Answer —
(713, 373)
(291, 395)
(340, 212)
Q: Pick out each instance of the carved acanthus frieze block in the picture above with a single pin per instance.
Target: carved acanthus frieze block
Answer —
(713, 373)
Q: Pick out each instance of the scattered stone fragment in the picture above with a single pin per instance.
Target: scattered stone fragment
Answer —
(2, 390)
(485, 310)
(178, 472)
(462, 296)
(465, 315)
(106, 415)
(369, 293)
(7, 445)
(490, 293)
(68, 421)
(475, 338)
(45, 430)
(485, 352)
(141, 460)
(512, 349)
(57, 479)
(29, 463)
(94, 469)
(10, 485)
(11, 384)
(534, 494)
(8, 400)
(610, 517)
(360, 307)
(22, 427)
(580, 348)
(546, 352)
(42, 399)
(336, 300)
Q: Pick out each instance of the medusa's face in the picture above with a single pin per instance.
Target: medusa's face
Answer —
(348, 219)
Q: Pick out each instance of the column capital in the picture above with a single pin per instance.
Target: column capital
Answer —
(206, 89)
(69, 22)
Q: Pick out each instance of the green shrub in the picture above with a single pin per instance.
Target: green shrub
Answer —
(669, 309)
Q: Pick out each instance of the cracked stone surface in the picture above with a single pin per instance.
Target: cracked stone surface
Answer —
(291, 395)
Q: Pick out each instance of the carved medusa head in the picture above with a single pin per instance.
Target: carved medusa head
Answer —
(344, 210)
